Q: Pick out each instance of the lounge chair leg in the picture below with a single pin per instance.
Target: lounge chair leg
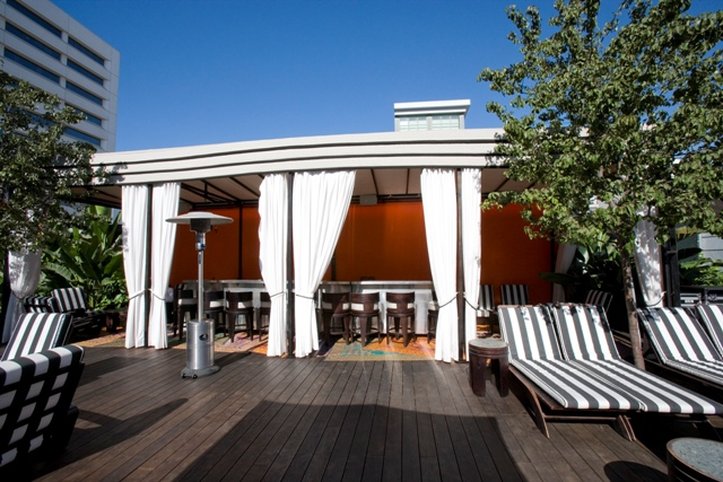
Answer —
(624, 428)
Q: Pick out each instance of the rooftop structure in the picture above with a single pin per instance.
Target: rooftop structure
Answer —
(44, 46)
(430, 115)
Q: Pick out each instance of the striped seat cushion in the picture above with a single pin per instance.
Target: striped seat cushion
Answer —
(41, 304)
(35, 397)
(584, 332)
(514, 294)
(712, 318)
(599, 298)
(36, 332)
(70, 299)
(486, 301)
(529, 332)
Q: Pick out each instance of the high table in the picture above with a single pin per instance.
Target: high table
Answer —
(695, 459)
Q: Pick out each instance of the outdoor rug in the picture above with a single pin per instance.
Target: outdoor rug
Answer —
(416, 350)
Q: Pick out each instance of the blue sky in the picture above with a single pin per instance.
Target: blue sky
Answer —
(201, 72)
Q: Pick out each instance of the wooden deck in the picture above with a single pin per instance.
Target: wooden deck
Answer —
(286, 419)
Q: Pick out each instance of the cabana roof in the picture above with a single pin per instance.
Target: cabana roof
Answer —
(388, 164)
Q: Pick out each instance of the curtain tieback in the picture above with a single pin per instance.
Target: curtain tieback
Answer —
(454, 298)
(474, 307)
(304, 295)
(136, 294)
(280, 293)
(162, 298)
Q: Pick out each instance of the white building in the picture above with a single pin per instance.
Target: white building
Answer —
(44, 46)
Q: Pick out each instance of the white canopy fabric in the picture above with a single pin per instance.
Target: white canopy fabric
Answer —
(24, 273)
(648, 265)
(320, 204)
(273, 211)
(565, 256)
(471, 195)
(439, 203)
(165, 205)
(135, 218)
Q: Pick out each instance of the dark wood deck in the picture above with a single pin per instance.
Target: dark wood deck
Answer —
(286, 419)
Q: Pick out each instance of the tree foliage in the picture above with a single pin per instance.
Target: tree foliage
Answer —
(614, 120)
(39, 167)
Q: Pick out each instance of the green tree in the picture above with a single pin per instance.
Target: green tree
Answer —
(38, 167)
(625, 113)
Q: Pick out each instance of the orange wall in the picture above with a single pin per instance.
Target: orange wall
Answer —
(384, 242)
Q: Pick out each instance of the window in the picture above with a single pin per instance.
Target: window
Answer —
(89, 53)
(35, 17)
(85, 72)
(31, 40)
(90, 117)
(83, 93)
(440, 122)
(413, 123)
(82, 136)
(28, 64)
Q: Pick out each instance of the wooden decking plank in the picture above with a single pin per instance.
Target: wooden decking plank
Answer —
(374, 459)
(354, 468)
(448, 465)
(282, 460)
(392, 469)
(428, 461)
(266, 446)
(411, 468)
(308, 447)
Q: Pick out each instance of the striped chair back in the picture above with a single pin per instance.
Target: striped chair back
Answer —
(41, 304)
(70, 299)
(486, 301)
(514, 294)
(584, 332)
(677, 335)
(529, 332)
(36, 332)
(599, 298)
(712, 318)
(36, 394)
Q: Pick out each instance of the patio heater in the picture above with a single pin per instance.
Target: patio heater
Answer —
(200, 335)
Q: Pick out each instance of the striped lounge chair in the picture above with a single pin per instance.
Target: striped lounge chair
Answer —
(41, 304)
(36, 411)
(515, 294)
(36, 332)
(682, 346)
(72, 301)
(586, 338)
(556, 388)
(712, 318)
(599, 298)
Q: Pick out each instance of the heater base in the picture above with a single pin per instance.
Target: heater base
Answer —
(200, 372)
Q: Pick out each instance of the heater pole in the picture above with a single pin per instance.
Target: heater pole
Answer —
(200, 246)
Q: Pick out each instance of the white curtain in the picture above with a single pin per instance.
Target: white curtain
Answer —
(647, 262)
(163, 239)
(565, 255)
(135, 217)
(273, 210)
(440, 223)
(24, 272)
(471, 193)
(320, 204)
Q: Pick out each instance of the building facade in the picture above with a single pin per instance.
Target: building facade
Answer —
(44, 46)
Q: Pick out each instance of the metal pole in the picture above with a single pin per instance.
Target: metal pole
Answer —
(290, 326)
(461, 325)
(149, 266)
(200, 246)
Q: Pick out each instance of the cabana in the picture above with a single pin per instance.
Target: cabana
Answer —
(304, 186)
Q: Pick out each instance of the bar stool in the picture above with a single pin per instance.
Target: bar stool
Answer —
(262, 322)
(336, 315)
(186, 303)
(400, 311)
(214, 303)
(239, 304)
(432, 316)
(365, 308)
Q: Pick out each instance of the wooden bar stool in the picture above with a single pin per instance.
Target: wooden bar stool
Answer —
(365, 308)
(262, 322)
(336, 315)
(400, 315)
(239, 304)
(186, 303)
(432, 316)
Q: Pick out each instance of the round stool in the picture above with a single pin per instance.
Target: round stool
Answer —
(484, 351)
(695, 459)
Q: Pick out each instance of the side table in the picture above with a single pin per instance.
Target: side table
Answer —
(695, 459)
(484, 351)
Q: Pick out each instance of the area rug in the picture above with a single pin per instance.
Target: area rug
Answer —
(416, 350)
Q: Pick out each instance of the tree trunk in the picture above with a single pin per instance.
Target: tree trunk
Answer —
(631, 305)
(4, 291)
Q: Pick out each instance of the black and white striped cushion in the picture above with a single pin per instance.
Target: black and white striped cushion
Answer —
(514, 294)
(712, 318)
(36, 332)
(41, 304)
(599, 298)
(70, 299)
(681, 343)
(486, 301)
(529, 332)
(586, 340)
(35, 396)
